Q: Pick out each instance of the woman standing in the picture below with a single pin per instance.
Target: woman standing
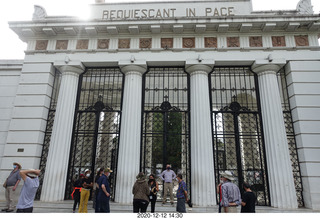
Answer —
(140, 193)
(154, 188)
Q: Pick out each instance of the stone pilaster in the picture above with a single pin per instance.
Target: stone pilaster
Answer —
(130, 132)
(281, 182)
(58, 158)
(202, 165)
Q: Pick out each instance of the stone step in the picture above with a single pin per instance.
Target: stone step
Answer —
(66, 207)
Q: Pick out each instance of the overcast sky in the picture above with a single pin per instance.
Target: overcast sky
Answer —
(11, 46)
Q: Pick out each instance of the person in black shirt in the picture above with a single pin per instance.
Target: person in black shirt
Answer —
(248, 200)
(86, 185)
(76, 192)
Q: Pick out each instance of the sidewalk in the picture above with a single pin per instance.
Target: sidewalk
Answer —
(66, 207)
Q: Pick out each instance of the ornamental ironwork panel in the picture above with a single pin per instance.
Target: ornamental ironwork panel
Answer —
(237, 132)
(97, 125)
(292, 146)
(165, 124)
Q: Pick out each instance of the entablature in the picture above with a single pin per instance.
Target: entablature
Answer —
(252, 24)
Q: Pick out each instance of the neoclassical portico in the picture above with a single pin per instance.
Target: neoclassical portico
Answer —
(190, 46)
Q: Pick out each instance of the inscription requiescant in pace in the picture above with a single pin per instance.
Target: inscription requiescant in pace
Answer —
(165, 13)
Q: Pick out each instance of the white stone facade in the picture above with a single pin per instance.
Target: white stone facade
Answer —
(204, 35)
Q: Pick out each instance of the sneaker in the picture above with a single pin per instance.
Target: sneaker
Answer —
(9, 210)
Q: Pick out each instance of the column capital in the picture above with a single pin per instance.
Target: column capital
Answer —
(262, 66)
(73, 66)
(193, 66)
(129, 67)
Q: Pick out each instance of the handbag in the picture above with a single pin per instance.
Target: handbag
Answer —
(5, 184)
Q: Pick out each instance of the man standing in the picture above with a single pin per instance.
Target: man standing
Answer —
(231, 197)
(248, 200)
(103, 196)
(168, 176)
(10, 185)
(28, 191)
(182, 195)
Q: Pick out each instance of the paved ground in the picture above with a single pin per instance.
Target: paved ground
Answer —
(66, 207)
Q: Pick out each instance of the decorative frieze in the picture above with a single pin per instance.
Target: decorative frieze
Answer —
(301, 40)
(188, 42)
(233, 42)
(210, 42)
(62, 45)
(167, 43)
(145, 43)
(255, 41)
(278, 41)
(185, 42)
(82, 44)
(41, 44)
(124, 44)
(103, 44)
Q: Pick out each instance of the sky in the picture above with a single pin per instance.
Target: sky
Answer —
(11, 47)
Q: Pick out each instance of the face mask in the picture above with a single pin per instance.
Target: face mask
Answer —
(14, 166)
(88, 175)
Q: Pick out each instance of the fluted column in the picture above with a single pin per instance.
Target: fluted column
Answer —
(130, 133)
(281, 182)
(202, 165)
(58, 158)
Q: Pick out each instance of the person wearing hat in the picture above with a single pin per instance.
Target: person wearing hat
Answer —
(103, 197)
(76, 192)
(10, 185)
(231, 197)
(140, 193)
(86, 186)
(96, 188)
(28, 191)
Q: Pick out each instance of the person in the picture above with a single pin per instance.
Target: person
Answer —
(96, 187)
(182, 195)
(11, 185)
(248, 200)
(140, 193)
(28, 191)
(103, 196)
(76, 192)
(231, 197)
(154, 188)
(86, 186)
(219, 191)
(168, 176)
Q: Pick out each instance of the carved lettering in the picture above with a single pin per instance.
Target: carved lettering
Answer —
(165, 13)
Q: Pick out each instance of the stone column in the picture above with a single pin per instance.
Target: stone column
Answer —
(202, 165)
(58, 158)
(281, 182)
(130, 132)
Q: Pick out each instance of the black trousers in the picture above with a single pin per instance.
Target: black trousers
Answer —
(76, 199)
(153, 203)
(25, 210)
(140, 205)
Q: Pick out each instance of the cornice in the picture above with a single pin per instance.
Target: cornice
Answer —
(73, 27)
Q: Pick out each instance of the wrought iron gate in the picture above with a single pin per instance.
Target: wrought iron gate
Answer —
(165, 125)
(237, 129)
(97, 124)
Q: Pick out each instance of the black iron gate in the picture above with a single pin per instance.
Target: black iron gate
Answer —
(97, 124)
(237, 129)
(165, 125)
